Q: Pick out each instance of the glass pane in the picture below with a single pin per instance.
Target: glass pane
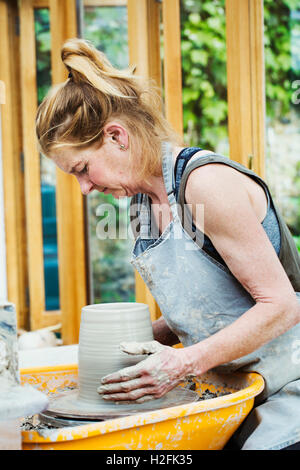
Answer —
(112, 276)
(48, 172)
(203, 49)
(282, 56)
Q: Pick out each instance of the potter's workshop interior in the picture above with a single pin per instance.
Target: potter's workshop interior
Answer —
(149, 227)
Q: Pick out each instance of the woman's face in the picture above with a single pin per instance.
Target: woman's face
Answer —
(107, 168)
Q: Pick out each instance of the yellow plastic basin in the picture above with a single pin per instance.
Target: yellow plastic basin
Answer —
(207, 424)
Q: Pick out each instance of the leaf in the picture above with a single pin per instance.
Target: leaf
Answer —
(199, 56)
(207, 89)
(216, 111)
(190, 95)
(194, 18)
(292, 4)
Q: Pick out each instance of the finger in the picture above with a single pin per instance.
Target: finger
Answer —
(134, 395)
(127, 386)
(149, 347)
(145, 398)
(128, 373)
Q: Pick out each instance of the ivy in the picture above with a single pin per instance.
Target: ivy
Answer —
(203, 49)
(204, 71)
(203, 34)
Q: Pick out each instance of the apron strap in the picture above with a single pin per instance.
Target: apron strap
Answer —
(169, 179)
(169, 176)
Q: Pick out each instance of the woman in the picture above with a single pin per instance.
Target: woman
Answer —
(225, 282)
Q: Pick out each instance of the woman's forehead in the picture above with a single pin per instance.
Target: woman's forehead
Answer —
(66, 158)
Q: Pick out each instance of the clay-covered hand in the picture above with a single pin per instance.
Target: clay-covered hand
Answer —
(151, 378)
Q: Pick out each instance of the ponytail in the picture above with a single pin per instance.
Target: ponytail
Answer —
(86, 64)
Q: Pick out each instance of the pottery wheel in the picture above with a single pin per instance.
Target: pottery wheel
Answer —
(68, 405)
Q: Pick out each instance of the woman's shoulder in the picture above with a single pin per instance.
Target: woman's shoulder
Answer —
(220, 186)
(210, 179)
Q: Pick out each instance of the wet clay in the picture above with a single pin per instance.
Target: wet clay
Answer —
(70, 405)
(103, 327)
(208, 394)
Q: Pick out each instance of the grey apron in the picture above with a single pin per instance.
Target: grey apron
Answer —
(198, 297)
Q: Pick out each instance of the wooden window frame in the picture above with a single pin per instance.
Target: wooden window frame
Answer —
(69, 201)
(246, 83)
(33, 205)
(13, 182)
(246, 127)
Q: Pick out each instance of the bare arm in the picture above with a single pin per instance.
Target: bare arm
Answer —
(235, 231)
(163, 334)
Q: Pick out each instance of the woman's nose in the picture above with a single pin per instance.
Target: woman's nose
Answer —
(86, 185)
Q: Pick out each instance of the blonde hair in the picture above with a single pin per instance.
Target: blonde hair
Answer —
(75, 112)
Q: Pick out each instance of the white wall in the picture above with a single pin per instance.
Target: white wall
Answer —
(3, 283)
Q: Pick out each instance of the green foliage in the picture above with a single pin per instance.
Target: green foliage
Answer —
(203, 49)
(107, 28)
(203, 26)
(281, 71)
(43, 45)
(297, 241)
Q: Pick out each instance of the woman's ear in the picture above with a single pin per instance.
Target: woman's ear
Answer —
(117, 133)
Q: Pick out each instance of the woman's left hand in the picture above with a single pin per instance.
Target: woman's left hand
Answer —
(151, 378)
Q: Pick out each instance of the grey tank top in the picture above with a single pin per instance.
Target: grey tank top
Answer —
(273, 224)
(270, 223)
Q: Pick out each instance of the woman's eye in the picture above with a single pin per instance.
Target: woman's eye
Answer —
(84, 170)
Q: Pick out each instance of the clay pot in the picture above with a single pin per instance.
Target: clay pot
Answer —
(103, 327)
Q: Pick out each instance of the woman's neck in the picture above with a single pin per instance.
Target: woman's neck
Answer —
(155, 188)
